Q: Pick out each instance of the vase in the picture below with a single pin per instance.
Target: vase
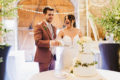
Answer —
(3, 54)
(110, 56)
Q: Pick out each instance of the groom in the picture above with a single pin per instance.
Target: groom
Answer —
(44, 35)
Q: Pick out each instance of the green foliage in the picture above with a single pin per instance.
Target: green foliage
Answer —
(82, 45)
(45, 28)
(8, 10)
(110, 19)
(1, 59)
(78, 63)
(4, 31)
(71, 71)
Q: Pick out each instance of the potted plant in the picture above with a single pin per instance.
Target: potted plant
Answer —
(110, 21)
(7, 10)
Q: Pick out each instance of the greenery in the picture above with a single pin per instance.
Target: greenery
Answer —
(82, 45)
(3, 31)
(45, 28)
(71, 71)
(110, 19)
(1, 59)
(7, 10)
(78, 63)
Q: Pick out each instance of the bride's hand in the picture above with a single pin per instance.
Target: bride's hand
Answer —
(55, 43)
(60, 42)
(80, 34)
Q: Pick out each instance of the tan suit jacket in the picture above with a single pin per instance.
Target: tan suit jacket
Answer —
(42, 38)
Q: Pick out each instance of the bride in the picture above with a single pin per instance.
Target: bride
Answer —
(69, 36)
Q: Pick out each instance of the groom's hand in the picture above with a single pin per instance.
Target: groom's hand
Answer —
(54, 43)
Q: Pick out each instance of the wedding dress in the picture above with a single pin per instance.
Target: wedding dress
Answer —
(67, 53)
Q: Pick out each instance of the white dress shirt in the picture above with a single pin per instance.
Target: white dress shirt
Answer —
(50, 28)
(52, 49)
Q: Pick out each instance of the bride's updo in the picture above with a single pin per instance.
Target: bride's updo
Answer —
(71, 18)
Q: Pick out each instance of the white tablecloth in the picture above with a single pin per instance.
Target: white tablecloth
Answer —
(14, 62)
(50, 75)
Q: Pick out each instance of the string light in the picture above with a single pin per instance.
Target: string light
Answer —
(31, 11)
(99, 4)
(54, 13)
(81, 10)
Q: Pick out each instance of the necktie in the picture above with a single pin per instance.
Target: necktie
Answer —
(53, 49)
(50, 29)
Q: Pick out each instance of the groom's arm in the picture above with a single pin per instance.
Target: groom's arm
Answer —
(38, 37)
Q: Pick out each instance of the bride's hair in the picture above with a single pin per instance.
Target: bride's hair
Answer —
(71, 18)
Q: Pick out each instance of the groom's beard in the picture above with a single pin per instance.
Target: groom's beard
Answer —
(49, 21)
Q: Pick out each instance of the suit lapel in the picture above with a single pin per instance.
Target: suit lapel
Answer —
(54, 31)
(49, 33)
(47, 30)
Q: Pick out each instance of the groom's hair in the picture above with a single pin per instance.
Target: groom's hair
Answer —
(47, 9)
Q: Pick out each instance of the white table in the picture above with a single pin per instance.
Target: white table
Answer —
(50, 75)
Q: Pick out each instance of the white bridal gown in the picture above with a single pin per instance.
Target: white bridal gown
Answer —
(67, 53)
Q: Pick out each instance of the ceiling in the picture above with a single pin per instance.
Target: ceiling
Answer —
(60, 6)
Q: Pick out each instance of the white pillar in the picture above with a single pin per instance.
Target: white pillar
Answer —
(11, 36)
(12, 24)
(77, 13)
(87, 17)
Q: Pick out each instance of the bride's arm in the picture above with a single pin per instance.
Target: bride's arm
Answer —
(60, 35)
(80, 33)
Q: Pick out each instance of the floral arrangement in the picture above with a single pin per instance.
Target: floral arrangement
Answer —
(85, 47)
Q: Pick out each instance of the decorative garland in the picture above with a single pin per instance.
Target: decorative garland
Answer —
(83, 65)
(78, 63)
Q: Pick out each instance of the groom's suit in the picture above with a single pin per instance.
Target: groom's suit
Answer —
(42, 36)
